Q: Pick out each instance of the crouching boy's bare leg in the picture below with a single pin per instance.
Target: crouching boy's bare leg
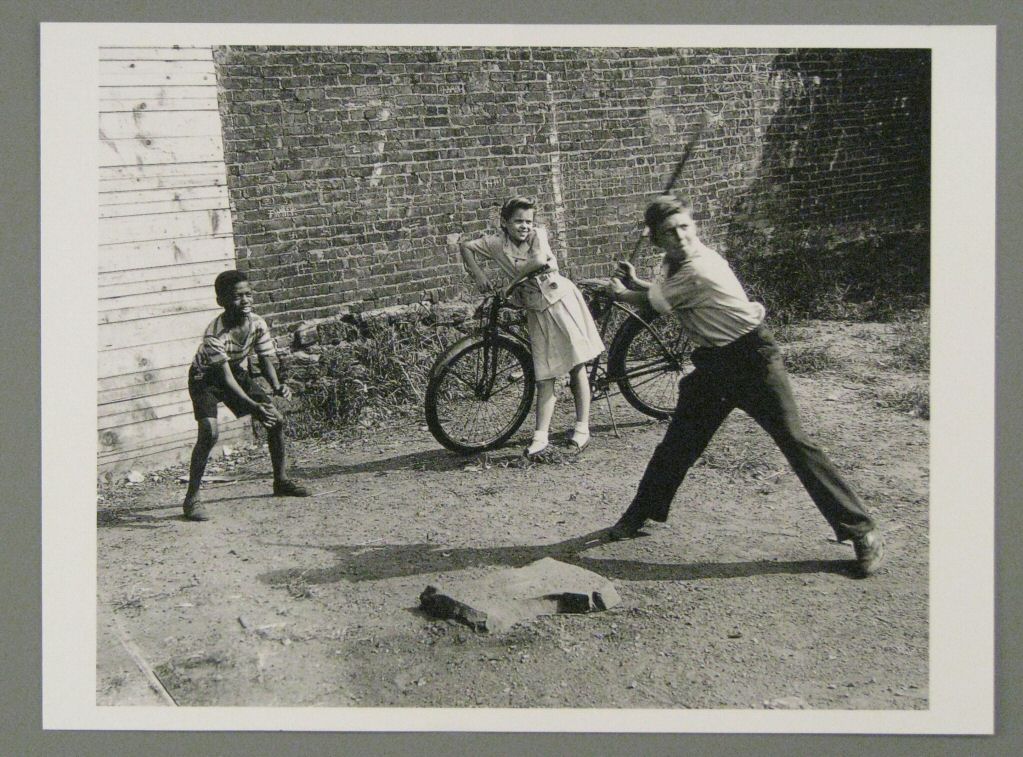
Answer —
(207, 437)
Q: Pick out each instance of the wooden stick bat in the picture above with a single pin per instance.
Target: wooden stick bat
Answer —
(706, 117)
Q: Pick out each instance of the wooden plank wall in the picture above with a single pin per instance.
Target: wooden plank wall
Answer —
(164, 234)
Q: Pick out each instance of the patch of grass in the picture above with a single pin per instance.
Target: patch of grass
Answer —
(378, 374)
(132, 604)
(785, 333)
(911, 347)
(806, 359)
(297, 586)
(915, 401)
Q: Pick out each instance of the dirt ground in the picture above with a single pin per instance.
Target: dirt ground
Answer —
(742, 600)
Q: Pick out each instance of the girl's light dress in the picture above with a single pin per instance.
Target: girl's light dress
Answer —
(562, 333)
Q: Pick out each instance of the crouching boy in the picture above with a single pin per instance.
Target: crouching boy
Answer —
(219, 373)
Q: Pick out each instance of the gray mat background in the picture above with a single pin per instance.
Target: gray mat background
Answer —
(20, 694)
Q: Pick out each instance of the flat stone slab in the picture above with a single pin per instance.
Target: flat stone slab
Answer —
(498, 601)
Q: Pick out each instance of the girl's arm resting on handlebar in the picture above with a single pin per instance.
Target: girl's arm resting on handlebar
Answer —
(469, 261)
(529, 270)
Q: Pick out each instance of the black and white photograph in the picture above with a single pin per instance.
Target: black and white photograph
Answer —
(511, 378)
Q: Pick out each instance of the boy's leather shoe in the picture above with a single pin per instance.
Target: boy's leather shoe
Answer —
(625, 528)
(194, 510)
(869, 552)
(288, 488)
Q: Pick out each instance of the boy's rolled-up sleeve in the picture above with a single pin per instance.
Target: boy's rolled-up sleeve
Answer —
(213, 350)
(657, 299)
(674, 293)
(264, 344)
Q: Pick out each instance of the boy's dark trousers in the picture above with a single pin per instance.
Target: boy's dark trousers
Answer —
(747, 373)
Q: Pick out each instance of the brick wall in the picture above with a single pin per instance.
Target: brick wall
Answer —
(349, 167)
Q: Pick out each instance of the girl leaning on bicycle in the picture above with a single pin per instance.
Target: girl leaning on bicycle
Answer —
(562, 334)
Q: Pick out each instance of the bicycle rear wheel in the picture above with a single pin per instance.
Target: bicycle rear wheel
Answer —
(477, 399)
(648, 359)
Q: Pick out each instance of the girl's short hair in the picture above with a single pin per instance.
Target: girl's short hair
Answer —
(226, 281)
(518, 202)
(663, 207)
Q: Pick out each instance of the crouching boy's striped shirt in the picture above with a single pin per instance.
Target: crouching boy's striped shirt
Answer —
(223, 344)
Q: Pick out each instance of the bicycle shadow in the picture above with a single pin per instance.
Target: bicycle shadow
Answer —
(361, 563)
(437, 460)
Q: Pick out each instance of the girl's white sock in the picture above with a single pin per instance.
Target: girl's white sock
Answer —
(538, 443)
(581, 432)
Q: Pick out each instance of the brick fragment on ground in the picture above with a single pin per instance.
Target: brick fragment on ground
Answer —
(505, 597)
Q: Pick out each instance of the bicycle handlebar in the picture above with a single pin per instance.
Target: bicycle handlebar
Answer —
(506, 293)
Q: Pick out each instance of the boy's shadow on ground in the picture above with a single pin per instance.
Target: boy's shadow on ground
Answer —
(358, 563)
(427, 460)
(443, 460)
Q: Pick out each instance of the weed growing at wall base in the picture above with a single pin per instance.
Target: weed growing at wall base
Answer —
(373, 371)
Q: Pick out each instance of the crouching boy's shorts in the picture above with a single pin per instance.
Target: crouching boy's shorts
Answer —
(209, 390)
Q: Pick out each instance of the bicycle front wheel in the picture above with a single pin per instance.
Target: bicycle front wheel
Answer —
(648, 359)
(477, 398)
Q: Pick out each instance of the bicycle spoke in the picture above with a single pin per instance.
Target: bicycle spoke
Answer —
(650, 363)
(475, 404)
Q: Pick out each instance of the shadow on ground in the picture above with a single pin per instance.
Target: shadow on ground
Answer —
(359, 563)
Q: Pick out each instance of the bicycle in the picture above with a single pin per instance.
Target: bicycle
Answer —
(481, 388)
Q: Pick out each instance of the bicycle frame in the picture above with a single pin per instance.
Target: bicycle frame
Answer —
(602, 382)
(490, 329)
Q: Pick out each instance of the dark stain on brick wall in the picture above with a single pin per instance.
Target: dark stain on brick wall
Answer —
(349, 167)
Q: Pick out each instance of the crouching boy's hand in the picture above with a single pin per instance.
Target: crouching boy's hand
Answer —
(269, 416)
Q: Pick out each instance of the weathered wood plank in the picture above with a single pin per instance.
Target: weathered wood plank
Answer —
(128, 263)
(176, 78)
(145, 434)
(153, 309)
(199, 283)
(152, 150)
(117, 360)
(139, 173)
(152, 331)
(177, 52)
(136, 435)
(173, 379)
(142, 378)
(141, 409)
(109, 201)
(192, 181)
(154, 93)
(146, 123)
(187, 224)
(168, 282)
(168, 450)
(188, 176)
(170, 205)
(165, 103)
(158, 296)
(135, 385)
(141, 67)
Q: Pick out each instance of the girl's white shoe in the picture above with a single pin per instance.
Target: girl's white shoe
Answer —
(538, 445)
(579, 437)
